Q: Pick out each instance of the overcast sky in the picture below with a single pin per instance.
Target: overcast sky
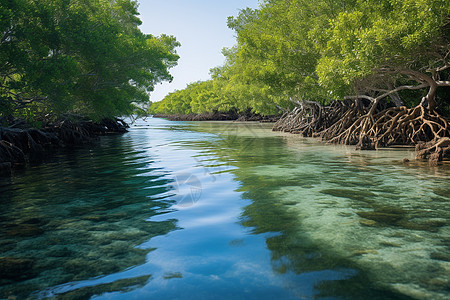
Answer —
(201, 28)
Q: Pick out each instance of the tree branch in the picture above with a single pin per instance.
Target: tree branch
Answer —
(376, 100)
(284, 110)
(443, 83)
(356, 97)
(401, 88)
(431, 95)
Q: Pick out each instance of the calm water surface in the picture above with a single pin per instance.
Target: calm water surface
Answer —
(217, 210)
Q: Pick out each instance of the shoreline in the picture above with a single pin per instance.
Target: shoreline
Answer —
(218, 116)
(425, 151)
(22, 144)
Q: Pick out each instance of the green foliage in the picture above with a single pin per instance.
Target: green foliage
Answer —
(395, 35)
(78, 56)
(322, 50)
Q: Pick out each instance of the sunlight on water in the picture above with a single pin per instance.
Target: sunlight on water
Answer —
(391, 220)
(185, 210)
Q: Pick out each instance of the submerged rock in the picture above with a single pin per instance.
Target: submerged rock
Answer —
(369, 223)
(16, 268)
(63, 252)
(6, 245)
(5, 169)
(364, 251)
(390, 244)
(173, 275)
(385, 215)
(121, 285)
(354, 194)
(24, 230)
(392, 216)
(440, 256)
(430, 225)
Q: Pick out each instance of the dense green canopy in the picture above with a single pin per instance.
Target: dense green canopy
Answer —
(326, 50)
(78, 56)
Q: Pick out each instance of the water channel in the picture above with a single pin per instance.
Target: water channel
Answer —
(223, 210)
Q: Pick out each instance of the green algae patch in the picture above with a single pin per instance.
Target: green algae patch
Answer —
(172, 275)
(122, 285)
(353, 194)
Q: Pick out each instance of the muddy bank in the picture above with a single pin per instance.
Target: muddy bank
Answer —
(21, 144)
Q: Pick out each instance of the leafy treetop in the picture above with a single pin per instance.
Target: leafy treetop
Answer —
(78, 56)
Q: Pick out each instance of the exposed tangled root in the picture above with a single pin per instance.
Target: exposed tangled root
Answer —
(290, 121)
(10, 153)
(84, 131)
(346, 121)
(311, 118)
(19, 145)
(352, 125)
(434, 151)
(393, 126)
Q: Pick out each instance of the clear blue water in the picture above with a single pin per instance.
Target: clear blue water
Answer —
(218, 210)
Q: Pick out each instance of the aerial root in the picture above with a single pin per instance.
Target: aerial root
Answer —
(435, 151)
(392, 126)
(19, 145)
(311, 119)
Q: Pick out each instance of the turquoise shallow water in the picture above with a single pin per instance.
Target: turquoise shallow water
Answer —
(218, 210)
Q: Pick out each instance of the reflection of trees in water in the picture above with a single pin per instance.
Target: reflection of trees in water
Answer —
(292, 250)
(122, 285)
(79, 216)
